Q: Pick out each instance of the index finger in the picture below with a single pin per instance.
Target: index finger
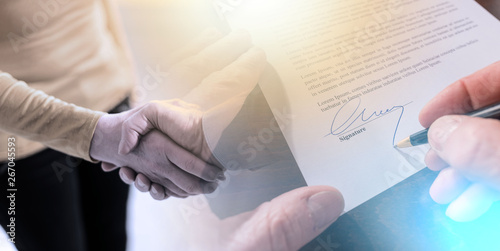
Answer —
(472, 92)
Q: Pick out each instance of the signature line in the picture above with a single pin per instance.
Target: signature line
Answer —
(374, 116)
(368, 122)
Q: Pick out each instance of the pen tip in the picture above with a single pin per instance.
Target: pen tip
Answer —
(404, 143)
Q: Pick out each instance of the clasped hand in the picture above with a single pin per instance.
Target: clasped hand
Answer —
(171, 162)
(161, 146)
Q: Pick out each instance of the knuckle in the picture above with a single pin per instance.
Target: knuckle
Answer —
(176, 190)
(166, 174)
(157, 196)
(280, 228)
(192, 189)
(189, 165)
(209, 175)
(152, 106)
(177, 102)
(480, 148)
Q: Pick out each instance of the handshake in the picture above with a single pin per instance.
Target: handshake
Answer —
(161, 146)
(166, 148)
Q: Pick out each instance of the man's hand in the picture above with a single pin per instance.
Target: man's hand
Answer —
(465, 150)
(180, 120)
(175, 170)
(220, 77)
(287, 222)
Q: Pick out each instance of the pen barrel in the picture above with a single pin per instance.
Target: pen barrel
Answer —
(492, 111)
(419, 138)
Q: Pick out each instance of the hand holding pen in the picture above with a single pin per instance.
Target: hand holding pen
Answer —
(465, 149)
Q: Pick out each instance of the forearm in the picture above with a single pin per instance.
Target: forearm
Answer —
(37, 116)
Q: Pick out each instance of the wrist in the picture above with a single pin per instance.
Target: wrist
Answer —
(106, 137)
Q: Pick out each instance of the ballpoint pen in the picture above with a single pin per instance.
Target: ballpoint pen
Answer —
(419, 138)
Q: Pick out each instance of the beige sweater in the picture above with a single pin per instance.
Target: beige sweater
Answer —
(74, 62)
(37, 116)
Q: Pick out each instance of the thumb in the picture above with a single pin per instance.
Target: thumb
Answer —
(153, 115)
(289, 221)
(171, 117)
(136, 125)
(470, 145)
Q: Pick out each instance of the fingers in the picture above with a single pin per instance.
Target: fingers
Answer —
(448, 186)
(471, 204)
(162, 161)
(470, 145)
(157, 192)
(291, 220)
(183, 184)
(142, 183)
(139, 123)
(191, 164)
(127, 175)
(173, 190)
(467, 145)
(434, 162)
(108, 167)
(473, 92)
(168, 183)
(169, 162)
(468, 202)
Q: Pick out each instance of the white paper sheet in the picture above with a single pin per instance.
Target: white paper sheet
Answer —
(357, 73)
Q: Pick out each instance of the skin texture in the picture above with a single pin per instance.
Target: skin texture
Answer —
(287, 222)
(464, 149)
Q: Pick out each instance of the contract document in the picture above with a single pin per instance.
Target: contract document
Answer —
(355, 74)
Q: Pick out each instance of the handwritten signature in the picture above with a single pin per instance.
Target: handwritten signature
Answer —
(347, 116)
